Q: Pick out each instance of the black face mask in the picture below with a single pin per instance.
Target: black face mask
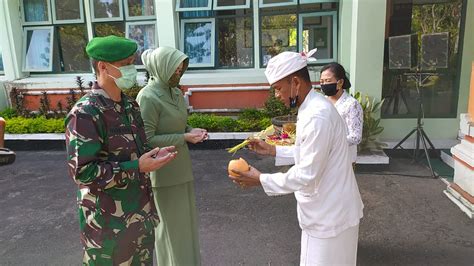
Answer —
(329, 89)
(293, 101)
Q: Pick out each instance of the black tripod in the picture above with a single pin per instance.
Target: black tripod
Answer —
(421, 137)
(397, 95)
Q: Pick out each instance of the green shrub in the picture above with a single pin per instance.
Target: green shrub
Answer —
(21, 125)
(8, 113)
(214, 123)
(249, 125)
(275, 107)
(252, 114)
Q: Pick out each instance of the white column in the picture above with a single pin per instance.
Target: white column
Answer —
(256, 39)
(11, 39)
(167, 23)
(367, 46)
(345, 30)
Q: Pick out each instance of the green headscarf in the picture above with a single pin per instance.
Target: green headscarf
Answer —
(162, 62)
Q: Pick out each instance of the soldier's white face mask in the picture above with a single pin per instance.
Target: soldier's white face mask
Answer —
(128, 78)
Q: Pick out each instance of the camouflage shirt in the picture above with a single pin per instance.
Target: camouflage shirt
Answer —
(104, 141)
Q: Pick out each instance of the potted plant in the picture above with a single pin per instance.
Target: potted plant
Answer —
(371, 127)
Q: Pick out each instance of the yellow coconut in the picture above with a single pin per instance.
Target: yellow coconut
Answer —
(239, 165)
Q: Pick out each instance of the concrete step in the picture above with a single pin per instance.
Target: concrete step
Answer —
(447, 158)
(374, 157)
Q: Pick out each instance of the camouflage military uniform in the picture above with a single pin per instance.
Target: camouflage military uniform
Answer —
(117, 214)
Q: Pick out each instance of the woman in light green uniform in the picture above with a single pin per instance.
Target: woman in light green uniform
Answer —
(165, 117)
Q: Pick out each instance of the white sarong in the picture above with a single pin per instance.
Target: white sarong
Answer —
(339, 250)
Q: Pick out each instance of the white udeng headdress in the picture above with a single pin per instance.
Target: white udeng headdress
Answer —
(287, 63)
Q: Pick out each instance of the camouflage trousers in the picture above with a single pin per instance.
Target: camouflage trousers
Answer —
(122, 251)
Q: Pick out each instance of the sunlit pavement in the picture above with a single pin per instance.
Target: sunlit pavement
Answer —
(407, 220)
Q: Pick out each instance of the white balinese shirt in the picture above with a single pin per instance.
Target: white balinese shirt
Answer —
(322, 179)
(351, 111)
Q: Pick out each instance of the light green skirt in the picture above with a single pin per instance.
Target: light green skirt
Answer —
(176, 237)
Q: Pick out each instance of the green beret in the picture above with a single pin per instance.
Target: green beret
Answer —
(110, 48)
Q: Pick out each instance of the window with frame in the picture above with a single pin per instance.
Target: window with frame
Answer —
(55, 35)
(220, 33)
(56, 31)
(425, 35)
(217, 33)
(134, 19)
(288, 25)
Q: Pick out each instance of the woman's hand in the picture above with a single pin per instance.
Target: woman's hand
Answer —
(196, 135)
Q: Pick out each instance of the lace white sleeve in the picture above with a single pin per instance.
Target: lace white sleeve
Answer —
(354, 121)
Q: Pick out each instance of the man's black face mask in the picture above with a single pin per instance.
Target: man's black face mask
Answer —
(293, 101)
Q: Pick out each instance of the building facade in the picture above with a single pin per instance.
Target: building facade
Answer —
(381, 43)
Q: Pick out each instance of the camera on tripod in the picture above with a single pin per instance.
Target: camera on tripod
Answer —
(403, 58)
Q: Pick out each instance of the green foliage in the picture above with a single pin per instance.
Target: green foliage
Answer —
(371, 127)
(250, 120)
(8, 113)
(214, 123)
(274, 107)
(21, 125)
(439, 17)
(246, 125)
(252, 114)
(253, 120)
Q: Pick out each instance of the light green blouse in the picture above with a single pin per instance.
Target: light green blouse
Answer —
(165, 115)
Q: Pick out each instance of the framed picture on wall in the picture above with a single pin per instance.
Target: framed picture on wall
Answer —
(273, 3)
(198, 41)
(139, 9)
(68, 11)
(106, 10)
(144, 33)
(35, 12)
(38, 49)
